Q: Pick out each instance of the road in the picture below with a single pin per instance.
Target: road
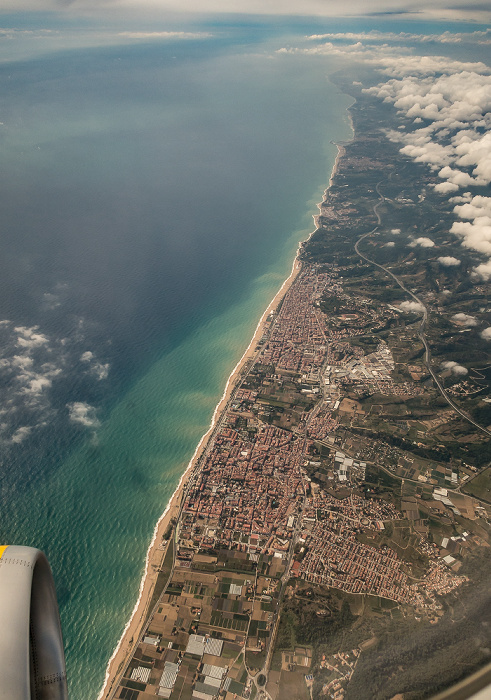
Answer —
(424, 319)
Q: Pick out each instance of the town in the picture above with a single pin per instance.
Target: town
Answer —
(343, 490)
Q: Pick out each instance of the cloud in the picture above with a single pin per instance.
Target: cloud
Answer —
(83, 413)
(33, 378)
(457, 369)
(448, 261)
(21, 434)
(37, 385)
(486, 333)
(452, 107)
(445, 187)
(458, 199)
(29, 338)
(389, 244)
(395, 231)
(50, 301)
(483, 271)
(329, 8)
(32, 362)
(413, 307)
(458, 178)
(422, 242)
(476, 231)
(481, 37)
(464, 319)
(23, 362)
(165, 35)
(99, 370)
(399, 66)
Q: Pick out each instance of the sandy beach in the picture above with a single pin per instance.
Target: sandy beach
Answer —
(155, 553)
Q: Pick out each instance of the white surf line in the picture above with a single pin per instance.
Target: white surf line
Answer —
(186, 474)
(277, 298)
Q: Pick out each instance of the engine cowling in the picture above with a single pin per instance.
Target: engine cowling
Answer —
(32, 659)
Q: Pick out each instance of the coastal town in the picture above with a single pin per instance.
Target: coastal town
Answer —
(262, 509)
(331, 484)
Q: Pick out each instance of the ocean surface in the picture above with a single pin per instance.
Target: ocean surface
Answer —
(152, 198)
(152, 195)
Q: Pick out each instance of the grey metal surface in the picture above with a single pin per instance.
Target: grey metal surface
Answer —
(32, 660)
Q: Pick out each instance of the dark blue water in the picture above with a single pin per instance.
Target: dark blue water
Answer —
(151, 198)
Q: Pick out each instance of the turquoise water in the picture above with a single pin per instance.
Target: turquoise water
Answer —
(153, 195)
(153, 198)
(115, 486)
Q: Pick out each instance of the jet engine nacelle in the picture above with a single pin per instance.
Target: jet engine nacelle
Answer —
(32, 660)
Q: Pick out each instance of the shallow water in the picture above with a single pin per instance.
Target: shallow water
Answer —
(152, 200)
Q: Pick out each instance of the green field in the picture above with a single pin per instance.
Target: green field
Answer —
(480, 486)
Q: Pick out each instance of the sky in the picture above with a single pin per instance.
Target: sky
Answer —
(437, 9)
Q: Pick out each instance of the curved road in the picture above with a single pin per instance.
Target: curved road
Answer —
(424, 320)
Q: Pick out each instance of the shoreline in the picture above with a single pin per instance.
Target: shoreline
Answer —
(134, 626)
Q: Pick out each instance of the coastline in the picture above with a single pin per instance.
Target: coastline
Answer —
(155, 553)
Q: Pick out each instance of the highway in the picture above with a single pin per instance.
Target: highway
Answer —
(424, 319)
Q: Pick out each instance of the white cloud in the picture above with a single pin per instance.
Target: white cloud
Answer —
(422, 242)
(413, 307)
(98, 369)
(476, 232)
(486, 333)
(445, 187)
(458, 177)
(24, 362)
(408, 66)
(20, 434)
(483, 271)
(453, 104)
(31, 364)
(457, 369)
(37, 385)
(164, 35)
(50, 301)
(482, 37)
(33, 378)
(389, 244)
(464, 319)
(101, 371)
(458, 199)
(83, 413)
(457, 101)
(395, 231)
(424, 151)
(448, 261)
(438, 8)
(30, 338)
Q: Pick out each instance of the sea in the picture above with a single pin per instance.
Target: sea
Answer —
(153, 192)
